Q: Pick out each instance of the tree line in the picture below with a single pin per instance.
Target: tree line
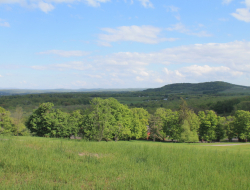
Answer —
(107, 119)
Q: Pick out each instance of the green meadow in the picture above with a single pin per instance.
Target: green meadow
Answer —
(47, 163)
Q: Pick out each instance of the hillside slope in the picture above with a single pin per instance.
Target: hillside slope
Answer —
(200, 88)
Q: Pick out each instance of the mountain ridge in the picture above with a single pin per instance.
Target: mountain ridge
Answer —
(199, 88)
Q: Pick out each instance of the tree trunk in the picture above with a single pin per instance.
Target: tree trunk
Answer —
(154, 138)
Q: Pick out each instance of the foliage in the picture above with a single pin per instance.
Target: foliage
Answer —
(171, 124)
(230, 128)
(156, 127)
(49, 122)
(109, 119)
(189, 124)
(220, 131)
(208, 123)
(205, 88)
(139, 122)
(7, 126)
(244, 105)
(242, 124)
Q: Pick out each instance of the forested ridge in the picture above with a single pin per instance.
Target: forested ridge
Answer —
(198, 88)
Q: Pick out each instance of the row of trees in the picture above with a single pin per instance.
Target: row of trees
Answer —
(185, 126)
(108, 119)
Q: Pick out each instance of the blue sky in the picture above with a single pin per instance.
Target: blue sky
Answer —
(48, 44)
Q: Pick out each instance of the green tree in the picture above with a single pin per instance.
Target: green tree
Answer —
(139, 122)
(7, 126)
(122, 120)
(242, 124)
(161, 115)
(220, 130)
(20, 128)
(155, 126)
(208, 123)
(75, 122)
(229, 128)
(171, 124)
(49, 122)
(107, 120)
(188, 124)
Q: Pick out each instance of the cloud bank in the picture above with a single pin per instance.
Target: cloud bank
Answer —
(49, 5)
(193, 63)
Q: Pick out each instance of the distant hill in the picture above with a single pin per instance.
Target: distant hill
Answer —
(200, 88)
(5, 92)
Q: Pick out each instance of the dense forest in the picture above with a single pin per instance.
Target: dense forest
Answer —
(187, 113)
(107, 119)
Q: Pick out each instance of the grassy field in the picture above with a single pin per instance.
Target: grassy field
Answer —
(44, 163)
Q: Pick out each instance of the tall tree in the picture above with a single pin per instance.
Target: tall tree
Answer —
(122, 120)
(171, 124)
(6, 123)
(188, 123)
(220, 130)
(20, 128)
(102, 119)
(155, 125)
(229, 128)
(242, 124)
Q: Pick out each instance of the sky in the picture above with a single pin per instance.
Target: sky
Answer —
(72, 44)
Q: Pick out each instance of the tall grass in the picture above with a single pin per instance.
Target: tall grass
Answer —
(40, 163)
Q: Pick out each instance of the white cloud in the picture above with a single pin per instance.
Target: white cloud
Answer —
(174, 10)
(223, 19)
(94, 76)
(3, 23)
(73, 65)
(143, 34)
(76, 65)
(226, 1)
(139, 78)
(199, 73)
(66, 53)
(146, 3)
(38, 67)
(196, 70)
(79, 83)
(243, 14)
(1, 76)
(96, 3)
(47, 5)
(247, 2)
(158, 80)
(232, 54)
(179, 27)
